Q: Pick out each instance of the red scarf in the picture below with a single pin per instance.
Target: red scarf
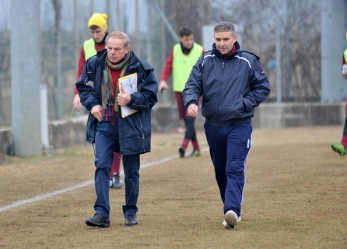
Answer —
(231, 52)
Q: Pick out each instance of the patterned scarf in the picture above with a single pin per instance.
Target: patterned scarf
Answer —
(107, 84)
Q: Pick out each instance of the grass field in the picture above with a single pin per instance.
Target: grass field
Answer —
(295, 197)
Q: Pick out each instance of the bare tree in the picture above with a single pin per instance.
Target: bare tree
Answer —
(189, 13)
(300, 40)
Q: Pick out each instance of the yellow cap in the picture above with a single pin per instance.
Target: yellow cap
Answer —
(99, 20)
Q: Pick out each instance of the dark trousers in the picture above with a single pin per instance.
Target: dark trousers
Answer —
(229, 148)
(188, 121)
(106, 141)
(190, 129)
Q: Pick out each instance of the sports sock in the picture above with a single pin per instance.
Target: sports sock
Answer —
(185, 143)
(196, 145)
(115, 169)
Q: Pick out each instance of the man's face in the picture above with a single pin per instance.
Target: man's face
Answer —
(115, 49)
(97, 34)
(224, 41)
(187, 41)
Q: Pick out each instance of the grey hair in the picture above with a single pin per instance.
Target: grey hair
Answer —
(225, 27)
(120, 35)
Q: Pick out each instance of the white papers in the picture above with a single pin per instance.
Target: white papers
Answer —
(129, 83)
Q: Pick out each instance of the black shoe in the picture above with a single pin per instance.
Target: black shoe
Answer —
(98, 221)
(131, 221)
(181, 151)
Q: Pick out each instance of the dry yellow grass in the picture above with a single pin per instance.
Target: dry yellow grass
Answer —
(295, 197)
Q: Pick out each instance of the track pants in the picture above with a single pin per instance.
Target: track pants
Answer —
(229, 148)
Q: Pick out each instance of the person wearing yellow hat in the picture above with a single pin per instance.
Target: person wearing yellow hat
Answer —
(340, 148)
(97, 26)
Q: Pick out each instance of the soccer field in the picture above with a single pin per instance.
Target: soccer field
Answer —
(295, 197)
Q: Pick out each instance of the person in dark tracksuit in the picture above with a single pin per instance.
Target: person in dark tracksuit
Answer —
(232, 83)
(100, 94)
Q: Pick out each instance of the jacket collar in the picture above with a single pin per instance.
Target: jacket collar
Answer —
(218, 54)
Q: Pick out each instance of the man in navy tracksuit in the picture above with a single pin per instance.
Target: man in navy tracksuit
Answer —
(102, 95)
(231, 83)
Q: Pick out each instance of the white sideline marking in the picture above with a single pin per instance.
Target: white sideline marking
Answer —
(45, 196)
(74, 187)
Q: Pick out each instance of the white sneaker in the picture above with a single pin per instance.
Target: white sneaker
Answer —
(231, 219)
(226, 225)
(117, 181)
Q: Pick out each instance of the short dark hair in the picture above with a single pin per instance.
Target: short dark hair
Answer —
(224, 27)
(185, 32)
(94, 27)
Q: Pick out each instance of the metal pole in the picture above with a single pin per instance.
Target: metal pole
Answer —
(137, 29)
(44, 118)
(25, 77)
(119, 17)
(58, 76)
(76, 31)
(91, 7)
(278, 60)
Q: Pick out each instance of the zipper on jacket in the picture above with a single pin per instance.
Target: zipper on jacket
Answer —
(142, 135)
(223, 65)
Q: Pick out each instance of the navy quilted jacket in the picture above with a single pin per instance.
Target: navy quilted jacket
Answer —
(135, 129)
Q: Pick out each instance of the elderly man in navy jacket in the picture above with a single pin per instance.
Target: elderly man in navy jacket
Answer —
(101, 94)
(231, 83)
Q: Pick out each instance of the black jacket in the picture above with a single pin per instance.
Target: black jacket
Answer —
(231, 87)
